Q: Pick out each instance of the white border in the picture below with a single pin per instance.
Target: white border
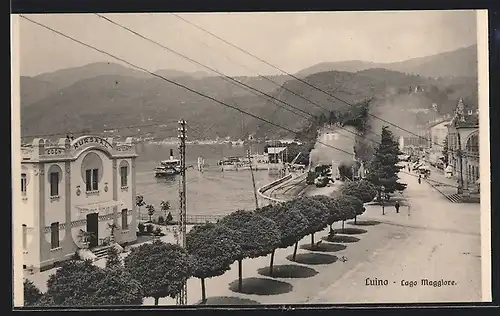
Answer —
(17, 250)
(484, 153)
(483, 99)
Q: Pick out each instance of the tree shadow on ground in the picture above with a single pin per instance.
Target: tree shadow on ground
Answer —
(288, 271)
(313, 258)
(227, 300)
(261, 286)
(350, 231)
(364, 223)
(324, 247)
(341, 239)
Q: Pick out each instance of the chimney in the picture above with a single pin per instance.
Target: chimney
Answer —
(171, 154)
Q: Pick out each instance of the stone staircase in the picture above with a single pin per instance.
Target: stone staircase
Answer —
(454, 198)
(101, 252)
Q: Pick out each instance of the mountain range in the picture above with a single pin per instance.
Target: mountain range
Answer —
(101, 96)
(458, 63)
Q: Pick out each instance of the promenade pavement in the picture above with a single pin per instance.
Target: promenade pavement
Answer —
(430, 238)
(439, 240)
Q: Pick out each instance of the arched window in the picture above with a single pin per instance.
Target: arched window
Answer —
(24, 184)
(472, 145)
(54, 177)
(54, 235)
(124, 172)
(25, 237)
(92, 171)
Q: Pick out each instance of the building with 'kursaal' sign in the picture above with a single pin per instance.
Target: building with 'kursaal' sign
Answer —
(76, 194)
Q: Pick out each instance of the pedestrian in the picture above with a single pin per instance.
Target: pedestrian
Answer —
(419, 178)
(397, 206)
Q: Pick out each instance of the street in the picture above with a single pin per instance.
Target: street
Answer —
(430, 238)
(439, 240)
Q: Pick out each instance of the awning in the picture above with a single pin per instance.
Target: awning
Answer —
(98, 207)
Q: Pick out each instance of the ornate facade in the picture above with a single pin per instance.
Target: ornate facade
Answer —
(75, 194)
(463, 148)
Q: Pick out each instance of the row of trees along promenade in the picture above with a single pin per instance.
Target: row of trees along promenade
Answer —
(159, 269)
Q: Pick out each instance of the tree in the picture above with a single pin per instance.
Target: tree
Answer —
(117, 287)
(32, 294)
(346, 208)
(169, 218)
(383, 170)
(112, 227)
(151, 211)
(165, 206)
(333, 207)
(139, 201)
(356, 205)
(292, 224)
(317, 215)
(332, 117)
(445, 151)
(44, 301)
(80, 283)
(159, 267)
(363, 149)
(256, 235)
(347, 169)
(73, 284)
(212, 250)
(363, 190)
(113, 259)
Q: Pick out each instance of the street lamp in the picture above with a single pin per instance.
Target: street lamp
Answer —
(382, 190)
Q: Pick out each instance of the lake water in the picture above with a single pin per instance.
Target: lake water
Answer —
(208, 193)
(213, 192)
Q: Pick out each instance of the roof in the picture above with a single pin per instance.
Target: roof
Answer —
(471, 121)
(275, 150)
(436, 123)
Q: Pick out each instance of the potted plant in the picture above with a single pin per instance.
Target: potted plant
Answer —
(112, 227)
(84, 238)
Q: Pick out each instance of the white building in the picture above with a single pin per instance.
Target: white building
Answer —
(437, 133)
(74, 189)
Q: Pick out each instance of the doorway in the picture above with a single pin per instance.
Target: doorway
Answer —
(93, 227)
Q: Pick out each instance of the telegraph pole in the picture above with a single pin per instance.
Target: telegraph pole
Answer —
(251, 172)
(182, 297)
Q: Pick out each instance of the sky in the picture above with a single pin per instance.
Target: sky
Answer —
(290, 41)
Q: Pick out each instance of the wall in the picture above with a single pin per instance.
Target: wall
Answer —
(42, 210)
(105, 185)
(127, 196)
(55, 206)
(468, 159)
(31, 254)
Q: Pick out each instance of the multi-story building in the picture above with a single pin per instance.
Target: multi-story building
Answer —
(76, 194)
(414, 145)
(463, 148)
(437, 133)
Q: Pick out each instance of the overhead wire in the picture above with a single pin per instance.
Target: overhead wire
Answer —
(168, 80)
(291, 75)
(233, 81)
(175, 83)
(224, 77)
